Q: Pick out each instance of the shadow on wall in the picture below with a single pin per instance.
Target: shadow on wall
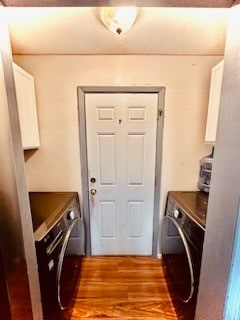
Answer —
(28, 154)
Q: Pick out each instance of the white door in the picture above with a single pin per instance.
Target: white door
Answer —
(121, 145)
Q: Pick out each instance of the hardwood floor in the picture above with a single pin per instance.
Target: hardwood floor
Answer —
(122, 288)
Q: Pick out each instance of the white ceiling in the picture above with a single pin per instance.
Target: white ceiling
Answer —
(183, 31)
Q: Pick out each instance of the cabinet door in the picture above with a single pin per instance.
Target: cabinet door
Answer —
(25, 91)
(214, 101)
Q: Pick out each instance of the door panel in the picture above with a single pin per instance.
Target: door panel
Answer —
(121, 143)
(108, 219)
(106, 146)
(69, 264)
(136, 159)
(135, 219)
(177, 259)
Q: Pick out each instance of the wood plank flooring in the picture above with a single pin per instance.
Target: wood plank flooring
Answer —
(122, 288)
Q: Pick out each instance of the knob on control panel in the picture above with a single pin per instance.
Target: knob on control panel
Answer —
(71, 215)
(177, 213)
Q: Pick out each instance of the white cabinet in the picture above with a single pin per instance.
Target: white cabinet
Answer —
(25, 91)
(214, 101)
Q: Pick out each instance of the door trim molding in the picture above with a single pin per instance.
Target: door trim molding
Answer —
(81, 91)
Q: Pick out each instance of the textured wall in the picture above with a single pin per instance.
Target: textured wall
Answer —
(224, 200)
(16, 233)
(56, 165)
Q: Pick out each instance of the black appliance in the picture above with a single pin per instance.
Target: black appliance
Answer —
(57, 224)
(183, 231)
(5, 312)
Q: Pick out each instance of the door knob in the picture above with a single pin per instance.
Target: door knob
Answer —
(93, 191)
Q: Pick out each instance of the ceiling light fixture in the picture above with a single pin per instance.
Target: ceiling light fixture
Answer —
(118, 19)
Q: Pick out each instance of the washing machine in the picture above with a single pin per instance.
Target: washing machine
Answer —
(182, 240)
(59, 240)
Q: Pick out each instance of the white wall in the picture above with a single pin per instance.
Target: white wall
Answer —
(56, 165)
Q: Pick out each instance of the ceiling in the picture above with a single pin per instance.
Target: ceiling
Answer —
(78, 30)
(115, 3)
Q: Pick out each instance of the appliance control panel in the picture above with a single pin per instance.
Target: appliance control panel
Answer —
(71, 215)
(177, 213)
(72, 212)
(193, 232)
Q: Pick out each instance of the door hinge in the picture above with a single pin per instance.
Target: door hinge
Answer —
(160, 113)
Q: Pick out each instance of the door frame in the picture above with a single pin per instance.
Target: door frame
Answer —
(81, 91)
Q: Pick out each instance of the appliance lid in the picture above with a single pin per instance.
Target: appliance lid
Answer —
(47, 208)
(194, 204)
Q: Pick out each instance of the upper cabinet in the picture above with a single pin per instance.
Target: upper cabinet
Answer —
(214, 101)
(25, 91)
